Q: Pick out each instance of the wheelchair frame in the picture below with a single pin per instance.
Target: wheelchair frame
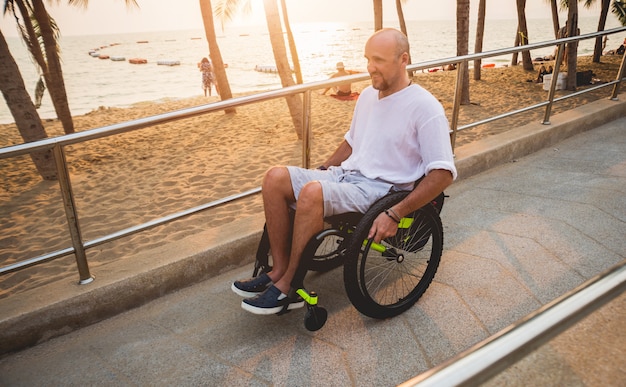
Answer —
(383, 279)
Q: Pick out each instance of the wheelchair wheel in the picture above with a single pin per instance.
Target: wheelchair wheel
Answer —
(325, 249)
(385, 280)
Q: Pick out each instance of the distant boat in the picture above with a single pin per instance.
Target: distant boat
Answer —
(168, 62)
(142, 41)
(267, 69)
(137, 61)
(118, 58)
(103, 57)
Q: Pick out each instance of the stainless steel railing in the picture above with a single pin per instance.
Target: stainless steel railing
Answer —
(493, 355)
(57, 144)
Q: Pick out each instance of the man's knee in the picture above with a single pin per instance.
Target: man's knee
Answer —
(277, 181)
(311, 195)
(275, 176)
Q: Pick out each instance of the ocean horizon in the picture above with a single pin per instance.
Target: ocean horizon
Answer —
(93, 83)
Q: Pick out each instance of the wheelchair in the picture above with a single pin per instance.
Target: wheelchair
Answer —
(382, 280)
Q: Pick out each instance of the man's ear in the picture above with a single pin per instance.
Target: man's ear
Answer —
(405, 58)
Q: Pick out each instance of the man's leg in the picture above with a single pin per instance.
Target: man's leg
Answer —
(309, 220)
(277, 196)
(285, 252)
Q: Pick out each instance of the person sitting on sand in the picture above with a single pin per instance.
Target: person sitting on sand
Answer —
(342, 90)
(399, 134)
(621, 49)
(542, 71)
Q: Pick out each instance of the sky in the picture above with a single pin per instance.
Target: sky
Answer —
(112, 16)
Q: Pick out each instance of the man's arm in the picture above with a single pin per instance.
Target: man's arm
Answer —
(343, 151)
(432, 185)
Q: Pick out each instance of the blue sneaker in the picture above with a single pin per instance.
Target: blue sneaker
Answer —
(271, 301)
(253, 286)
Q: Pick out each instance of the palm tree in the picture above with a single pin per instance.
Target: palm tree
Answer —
(619, 9)
(480, 32)
(40, 33)
(523, 35)
(604, 11)
(23, 110)
(292, 44)
(572, 48)
(214, 52)
(294, 102)
(403, 24)
(52, 67)
(554, 8)
(225, 9)
(378, 15)
(462, 43)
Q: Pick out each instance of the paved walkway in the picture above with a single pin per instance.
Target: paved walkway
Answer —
(516, 237)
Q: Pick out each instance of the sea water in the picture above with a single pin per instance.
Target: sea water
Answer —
(92, 82)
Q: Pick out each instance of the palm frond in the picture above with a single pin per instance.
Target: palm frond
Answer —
(84, 3)
(225, 10)
(619, 9)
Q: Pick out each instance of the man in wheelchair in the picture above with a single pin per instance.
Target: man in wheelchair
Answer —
(399, 134)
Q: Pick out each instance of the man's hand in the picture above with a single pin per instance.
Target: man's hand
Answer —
(383, 227)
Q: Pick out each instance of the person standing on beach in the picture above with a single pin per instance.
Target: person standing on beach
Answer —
(344, 89)
(399, 134)
(208, 77)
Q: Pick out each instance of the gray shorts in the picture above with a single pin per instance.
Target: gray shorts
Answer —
(343, 191)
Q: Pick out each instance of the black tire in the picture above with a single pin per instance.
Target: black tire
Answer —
(382, 285)
(326, 249)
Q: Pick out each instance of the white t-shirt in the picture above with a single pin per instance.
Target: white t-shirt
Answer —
(399, 138)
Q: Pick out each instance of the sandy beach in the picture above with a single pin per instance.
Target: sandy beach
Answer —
(130, 179)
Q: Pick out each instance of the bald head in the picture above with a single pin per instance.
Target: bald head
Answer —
(387, 54)
(392, 37)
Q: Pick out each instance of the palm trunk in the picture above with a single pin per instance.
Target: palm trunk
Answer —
(23, 110)
(292, 44)
(378, 15)
(214, 52)
(572, 48)
(555, 18)
(294, 102)
(54, 81)
(527, 61)
(480, 33)
(597, 49)
(403, 27)
(462, 44)
(514, 57)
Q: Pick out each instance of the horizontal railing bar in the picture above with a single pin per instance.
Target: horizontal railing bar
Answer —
(126, 232)
(92, 134)
(35, 261)
(166, 219)
(491, 356)
(503, 115)
(541, 104)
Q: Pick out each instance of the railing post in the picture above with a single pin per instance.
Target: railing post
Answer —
(461, 67)
(306, 129)
(620, 74)
(70, 213)
(555, 79)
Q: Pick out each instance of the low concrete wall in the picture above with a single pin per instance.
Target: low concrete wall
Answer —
(481, 155)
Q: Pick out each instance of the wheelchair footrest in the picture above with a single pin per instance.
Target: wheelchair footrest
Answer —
(308, 297)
